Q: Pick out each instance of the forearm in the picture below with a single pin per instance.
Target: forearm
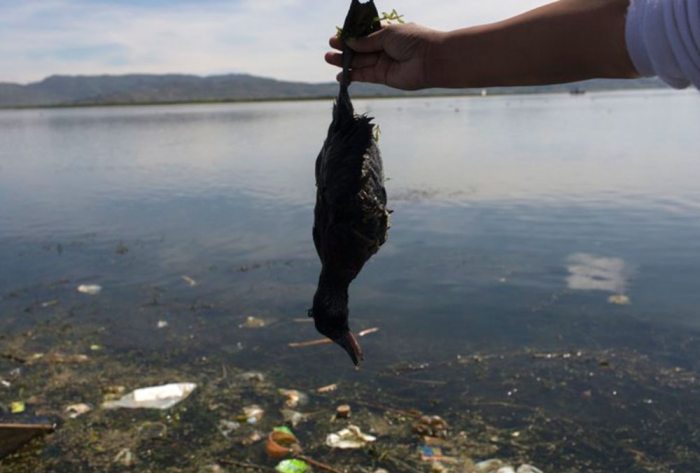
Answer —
(565, 41)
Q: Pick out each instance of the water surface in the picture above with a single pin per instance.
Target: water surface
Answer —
(515, 220)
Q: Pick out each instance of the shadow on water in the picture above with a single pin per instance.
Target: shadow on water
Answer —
(537, 291)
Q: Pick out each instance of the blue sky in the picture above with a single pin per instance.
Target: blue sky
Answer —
(284, 39)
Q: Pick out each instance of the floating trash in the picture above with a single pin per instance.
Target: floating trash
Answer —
(227, 427)
(162, 324)
(125, 457)
(253, 322)
(293, 466)
(431, 426)
(528, 469)
(253, 414)
(252, 376)
(15, 433)
(190, 282)
(351, 437)
(433, 454)
(294, 397)
(327, 389)
(619, 299)
(76, 410)
(343, 411)
(492, 465)
(156, 397)
(17, 407)
(90, 289)
(293, 417)
(282, 443)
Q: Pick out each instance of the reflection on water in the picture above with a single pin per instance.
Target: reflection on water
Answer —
(596, 273)
(512, 214)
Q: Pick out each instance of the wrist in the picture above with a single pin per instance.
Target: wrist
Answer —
(436, 69)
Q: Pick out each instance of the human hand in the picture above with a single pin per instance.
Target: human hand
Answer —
(395, 56)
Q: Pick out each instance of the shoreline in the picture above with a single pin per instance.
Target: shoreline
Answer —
(466, 94)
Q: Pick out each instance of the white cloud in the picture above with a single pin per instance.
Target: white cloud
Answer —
(285, 39)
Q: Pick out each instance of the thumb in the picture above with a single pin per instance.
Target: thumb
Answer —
(369, 44)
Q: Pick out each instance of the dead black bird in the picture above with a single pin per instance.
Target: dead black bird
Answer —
(351, 219)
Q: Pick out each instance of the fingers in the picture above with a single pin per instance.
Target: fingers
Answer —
(358, 61)
(336, 43)
(366, 74)
(369, 44)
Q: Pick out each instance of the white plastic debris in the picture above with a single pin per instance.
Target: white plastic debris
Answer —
(528, 469)
(155, 397)
(253, 414)
(506, 469)
(489, 466)
(352, 437)
(76, 410)
(90, 289)
(191, 282)
(162, 324)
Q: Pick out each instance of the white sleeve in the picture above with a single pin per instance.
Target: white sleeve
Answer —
(663, 39)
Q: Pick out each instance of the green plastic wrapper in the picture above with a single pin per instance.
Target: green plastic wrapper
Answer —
(293, 466)
(284, 429)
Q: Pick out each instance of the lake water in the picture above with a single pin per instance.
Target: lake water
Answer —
(541, 274)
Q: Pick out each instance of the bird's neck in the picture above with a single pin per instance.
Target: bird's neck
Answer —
(344, 105)
(333, 289)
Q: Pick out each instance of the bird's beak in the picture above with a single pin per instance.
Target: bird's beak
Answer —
(349, 343)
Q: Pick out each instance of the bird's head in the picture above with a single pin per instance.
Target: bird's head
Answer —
(331, 319)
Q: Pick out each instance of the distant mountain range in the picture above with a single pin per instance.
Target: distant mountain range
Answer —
(175, 88)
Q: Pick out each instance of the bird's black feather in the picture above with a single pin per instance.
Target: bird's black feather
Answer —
(351, 219)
